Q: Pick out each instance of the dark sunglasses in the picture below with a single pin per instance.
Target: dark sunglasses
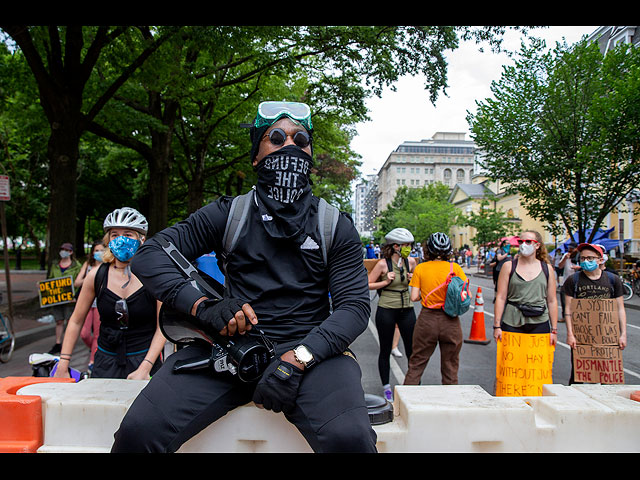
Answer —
(122, 311)
(277, 136)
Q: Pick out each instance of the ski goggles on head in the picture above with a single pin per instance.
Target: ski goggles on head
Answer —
(270, 112)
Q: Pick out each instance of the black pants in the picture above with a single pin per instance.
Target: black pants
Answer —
(386, 320)
(330, 410)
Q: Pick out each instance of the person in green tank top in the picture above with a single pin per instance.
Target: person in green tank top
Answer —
(390, 277)
(527, 285)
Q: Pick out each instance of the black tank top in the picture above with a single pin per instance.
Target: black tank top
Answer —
(142, 316)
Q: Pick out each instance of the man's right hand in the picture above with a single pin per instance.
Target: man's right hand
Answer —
(226, 317)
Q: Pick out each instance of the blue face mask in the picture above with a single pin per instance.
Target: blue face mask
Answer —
(97, 256)
(589, 265)
(123, 248)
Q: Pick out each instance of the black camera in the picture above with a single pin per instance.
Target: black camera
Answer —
(246, 356)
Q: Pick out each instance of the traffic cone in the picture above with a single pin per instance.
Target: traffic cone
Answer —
(477, 325)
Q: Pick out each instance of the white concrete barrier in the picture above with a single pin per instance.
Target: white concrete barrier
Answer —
(82, 417)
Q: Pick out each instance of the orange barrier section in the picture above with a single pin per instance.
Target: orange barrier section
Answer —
(477, 326)
(21, 428)
(636, 396)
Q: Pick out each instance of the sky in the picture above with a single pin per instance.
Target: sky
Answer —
(409, 115)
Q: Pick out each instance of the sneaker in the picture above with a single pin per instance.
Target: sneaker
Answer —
(388, 394)
(56, 349)
(396, 353)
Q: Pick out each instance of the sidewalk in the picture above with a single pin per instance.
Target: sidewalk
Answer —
(26, 305)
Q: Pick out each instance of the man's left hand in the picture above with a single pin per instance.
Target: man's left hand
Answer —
(278, 388)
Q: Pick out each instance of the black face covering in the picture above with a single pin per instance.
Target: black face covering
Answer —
(284, 191)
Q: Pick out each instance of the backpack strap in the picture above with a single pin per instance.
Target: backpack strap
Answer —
(99, 279)
(544, 265)
(446, 282)
(235, 221)
(612, 282)
(514, 264)
(327, 219)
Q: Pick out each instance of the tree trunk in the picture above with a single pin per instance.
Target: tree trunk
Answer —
(196, 192)
(195, 186)
(159, 170)
(63, 167)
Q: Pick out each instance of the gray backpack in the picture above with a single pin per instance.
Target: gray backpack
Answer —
(327, 218)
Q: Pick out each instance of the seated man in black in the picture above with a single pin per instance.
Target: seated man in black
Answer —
(276, 280)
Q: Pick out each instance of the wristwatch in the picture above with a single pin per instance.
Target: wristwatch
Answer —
(303, 356)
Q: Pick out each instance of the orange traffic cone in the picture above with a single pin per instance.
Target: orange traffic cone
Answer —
(477, 325)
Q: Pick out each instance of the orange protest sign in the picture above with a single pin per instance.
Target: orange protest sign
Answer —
(524, 362)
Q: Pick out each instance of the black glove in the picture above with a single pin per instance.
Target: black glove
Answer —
(278, 388)
(214, 315)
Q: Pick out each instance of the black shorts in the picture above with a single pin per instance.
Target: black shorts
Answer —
(61, 312)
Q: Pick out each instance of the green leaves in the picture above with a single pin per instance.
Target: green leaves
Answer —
(562, 131)
(422, 211)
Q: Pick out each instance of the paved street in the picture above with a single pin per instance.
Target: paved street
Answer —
(477, 362)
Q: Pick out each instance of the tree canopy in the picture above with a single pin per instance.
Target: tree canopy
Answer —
(563, 131)
(147, 116)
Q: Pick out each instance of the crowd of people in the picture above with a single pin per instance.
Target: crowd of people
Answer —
(293, 274)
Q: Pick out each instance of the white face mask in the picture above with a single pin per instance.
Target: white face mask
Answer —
(526, 249)
(65, 253)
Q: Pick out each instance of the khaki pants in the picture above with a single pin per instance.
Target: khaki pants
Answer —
(434, 327)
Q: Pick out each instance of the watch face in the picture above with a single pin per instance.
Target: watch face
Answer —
(303, 354)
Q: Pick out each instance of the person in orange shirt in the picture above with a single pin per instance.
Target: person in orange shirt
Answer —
(433, 326)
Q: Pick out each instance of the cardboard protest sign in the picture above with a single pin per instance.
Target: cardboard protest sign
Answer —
(598, 364)
(597, 357)
(56, 291)
(524, 363)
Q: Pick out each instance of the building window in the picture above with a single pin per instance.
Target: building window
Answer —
(447, 176)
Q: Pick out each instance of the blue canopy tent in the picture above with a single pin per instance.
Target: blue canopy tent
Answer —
(601, 237)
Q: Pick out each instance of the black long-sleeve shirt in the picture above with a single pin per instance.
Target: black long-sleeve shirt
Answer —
(285, 282)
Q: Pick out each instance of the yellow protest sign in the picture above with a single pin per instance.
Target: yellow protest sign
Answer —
(56, 291)
(524, 362)
(597, 357)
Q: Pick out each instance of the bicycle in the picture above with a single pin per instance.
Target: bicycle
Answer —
(7, 339)
(627, 289)
(630, 285)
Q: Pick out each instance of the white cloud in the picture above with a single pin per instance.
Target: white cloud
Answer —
(407, 114)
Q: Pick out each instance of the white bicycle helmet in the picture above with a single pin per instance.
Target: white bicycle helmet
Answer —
(126, 217)
(399, 236)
